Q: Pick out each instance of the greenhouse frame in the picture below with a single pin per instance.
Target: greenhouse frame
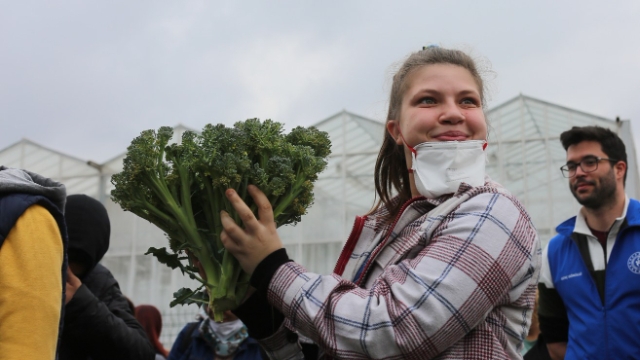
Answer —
(524, 155)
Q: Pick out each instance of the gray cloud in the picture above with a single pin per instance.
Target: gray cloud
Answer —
(86, 77)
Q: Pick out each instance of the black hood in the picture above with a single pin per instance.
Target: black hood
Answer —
(88, 228)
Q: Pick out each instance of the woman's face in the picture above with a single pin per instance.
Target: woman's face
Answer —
(441, 103)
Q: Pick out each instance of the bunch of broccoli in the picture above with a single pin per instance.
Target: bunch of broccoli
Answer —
(179, 187)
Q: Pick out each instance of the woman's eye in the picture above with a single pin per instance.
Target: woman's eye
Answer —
(427, 101)
(469, 101)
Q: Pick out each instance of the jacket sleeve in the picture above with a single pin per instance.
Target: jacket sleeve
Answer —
(484, 254)
(106, 329)
(552, 314)
(31, 260)
(264, 322)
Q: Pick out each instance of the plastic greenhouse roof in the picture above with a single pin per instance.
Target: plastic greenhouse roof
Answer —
(355, 141)
(77, 175)
(524, 155)
(541, 119)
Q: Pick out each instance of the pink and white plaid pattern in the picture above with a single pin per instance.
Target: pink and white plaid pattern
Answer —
(457, 282)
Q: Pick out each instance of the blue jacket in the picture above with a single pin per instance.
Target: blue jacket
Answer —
(607, 327)
(199, 349)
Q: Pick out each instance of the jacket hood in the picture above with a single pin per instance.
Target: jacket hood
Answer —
(22, 181)
(89, 230)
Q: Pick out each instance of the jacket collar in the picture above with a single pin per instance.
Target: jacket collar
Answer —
(578, 223)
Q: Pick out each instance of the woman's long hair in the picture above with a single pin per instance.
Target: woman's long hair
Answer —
(151, 321)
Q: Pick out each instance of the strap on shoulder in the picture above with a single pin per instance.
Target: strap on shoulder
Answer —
(186, 339)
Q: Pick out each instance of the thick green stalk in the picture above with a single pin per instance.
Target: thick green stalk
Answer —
(215, 211)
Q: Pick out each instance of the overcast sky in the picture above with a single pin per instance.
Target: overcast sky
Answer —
(85, 77)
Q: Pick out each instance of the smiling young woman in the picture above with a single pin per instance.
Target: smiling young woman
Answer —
(446, 263)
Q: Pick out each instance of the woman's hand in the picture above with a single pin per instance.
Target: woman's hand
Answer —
(259, 237)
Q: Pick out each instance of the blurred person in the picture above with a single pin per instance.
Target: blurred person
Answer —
(32, 264)
(131, 305)
(444, 266)
(535, 347)
(208, 339)
(98, 321)
(149, 317)
(589, 305)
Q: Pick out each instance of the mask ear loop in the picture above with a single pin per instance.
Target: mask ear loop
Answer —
(413, 151)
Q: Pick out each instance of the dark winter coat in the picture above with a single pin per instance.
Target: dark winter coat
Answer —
(539, 350)
(98, 322)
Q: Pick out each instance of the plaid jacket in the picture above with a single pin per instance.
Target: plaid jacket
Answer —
(450, 278)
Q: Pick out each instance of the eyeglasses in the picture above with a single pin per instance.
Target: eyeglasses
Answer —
(587, 164)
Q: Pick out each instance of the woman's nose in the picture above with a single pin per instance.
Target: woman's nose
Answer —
(451, 113)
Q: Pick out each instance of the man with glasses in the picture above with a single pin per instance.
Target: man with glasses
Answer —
(589, 290)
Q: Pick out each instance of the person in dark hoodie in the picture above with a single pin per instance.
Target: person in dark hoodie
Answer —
(32, 266)
(98, 322)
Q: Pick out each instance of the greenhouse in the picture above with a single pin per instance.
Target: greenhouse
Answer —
(524, 155)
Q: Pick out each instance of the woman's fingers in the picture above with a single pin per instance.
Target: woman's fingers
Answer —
(237, 250)
(258, 238)
(229, 243)
(243, 211)
(265, 212)
(231, 231)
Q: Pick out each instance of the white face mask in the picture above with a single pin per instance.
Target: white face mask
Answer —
(440, 167)
(224, 329)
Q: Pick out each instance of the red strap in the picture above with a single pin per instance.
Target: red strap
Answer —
(347, 250)
(410, 147)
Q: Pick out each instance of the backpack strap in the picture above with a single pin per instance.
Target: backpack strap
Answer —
(186, 339)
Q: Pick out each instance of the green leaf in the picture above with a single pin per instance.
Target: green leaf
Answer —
(171, 260)
(180, 296)
(186, 296)
(199, 298)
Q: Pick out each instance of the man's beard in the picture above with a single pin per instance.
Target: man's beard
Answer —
(601, 195)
